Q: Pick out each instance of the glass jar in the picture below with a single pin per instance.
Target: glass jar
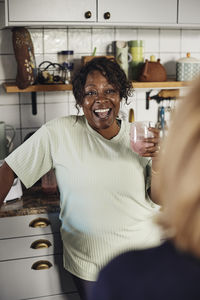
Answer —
(66, 59)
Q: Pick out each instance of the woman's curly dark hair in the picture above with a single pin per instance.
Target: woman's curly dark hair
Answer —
(109, 68)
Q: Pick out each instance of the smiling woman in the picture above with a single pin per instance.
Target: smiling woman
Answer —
(104, 186)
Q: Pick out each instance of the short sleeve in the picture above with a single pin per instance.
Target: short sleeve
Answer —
(32, 159)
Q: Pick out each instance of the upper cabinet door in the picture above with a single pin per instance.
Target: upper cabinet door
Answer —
(44, 11)
(137, 11)
(189, 12)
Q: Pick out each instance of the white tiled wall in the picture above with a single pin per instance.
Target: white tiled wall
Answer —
(15, 109)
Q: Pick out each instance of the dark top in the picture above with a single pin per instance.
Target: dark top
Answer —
(160, 273)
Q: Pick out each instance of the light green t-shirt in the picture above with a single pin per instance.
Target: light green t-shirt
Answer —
(105, 208)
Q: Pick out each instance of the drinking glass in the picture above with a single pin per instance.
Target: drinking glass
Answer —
(138, 132)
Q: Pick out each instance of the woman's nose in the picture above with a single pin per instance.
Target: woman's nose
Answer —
(101, 98)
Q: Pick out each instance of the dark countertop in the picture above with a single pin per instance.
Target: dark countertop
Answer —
(33, 201)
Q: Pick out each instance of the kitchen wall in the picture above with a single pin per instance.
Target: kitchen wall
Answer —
(15, 109)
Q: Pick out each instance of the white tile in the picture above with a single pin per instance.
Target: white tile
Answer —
(37, 39)
(10, 115)
(51, 58)
(190, 40)
(6, 45)
(125, 34)
(72, 108)
(143, 114)
(80, 40)
(103, 39)
(150, 38)
(56, 97)
(170, 40)
(28, 120)
(55, 110)
(8, 67)
(8, 98)
(17, 139)
(168, 60)
(55, 40)
(25, 98)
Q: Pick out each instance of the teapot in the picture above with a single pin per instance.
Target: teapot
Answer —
(153, 71)
(6, 141)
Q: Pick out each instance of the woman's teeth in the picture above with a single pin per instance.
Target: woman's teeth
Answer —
(102, 113)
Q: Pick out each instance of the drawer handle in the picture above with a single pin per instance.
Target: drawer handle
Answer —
(88, 14)
(41, 265)
(107, 15)
(39, 222)
(39, 244)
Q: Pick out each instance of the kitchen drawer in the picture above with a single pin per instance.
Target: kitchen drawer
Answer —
(33, 246)
(73, 296)
(20, 281)
(20, 226)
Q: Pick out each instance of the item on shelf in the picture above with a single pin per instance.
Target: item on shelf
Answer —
(66, 59)
(187, 68)
(153, 71)
(122, 55)
(136, 49)
(51, 73)
(24, 54)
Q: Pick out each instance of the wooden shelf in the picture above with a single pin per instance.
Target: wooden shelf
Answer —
(164, 84)
(10, 87)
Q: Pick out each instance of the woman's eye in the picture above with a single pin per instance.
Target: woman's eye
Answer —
(110, 91)
(90, 93)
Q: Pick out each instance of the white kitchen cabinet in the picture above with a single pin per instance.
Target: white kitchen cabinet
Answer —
(50, 11)
(31, 262)
(92, 12)
(189, 12)
(134, 11)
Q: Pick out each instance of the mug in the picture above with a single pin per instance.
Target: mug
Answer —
(6, 144)
(122, 56)
(136, 48)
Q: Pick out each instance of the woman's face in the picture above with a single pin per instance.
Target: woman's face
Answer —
(101, 103)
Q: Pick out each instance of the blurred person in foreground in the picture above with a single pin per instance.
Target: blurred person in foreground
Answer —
(170, 271)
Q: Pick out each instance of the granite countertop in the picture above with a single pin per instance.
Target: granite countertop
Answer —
(33, 201)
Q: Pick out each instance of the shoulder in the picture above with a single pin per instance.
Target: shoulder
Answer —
(65, 122)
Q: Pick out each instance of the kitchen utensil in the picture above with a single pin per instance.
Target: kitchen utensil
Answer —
(131, 115)
(138, 132)
(122, 55)
(136, 48)
(153, 71)
(187, 68)
(6, 141)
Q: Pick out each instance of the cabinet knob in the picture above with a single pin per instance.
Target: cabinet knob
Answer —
(39, 222)
(107, 15)
(41, 265)
(40, 244)
(88, 14)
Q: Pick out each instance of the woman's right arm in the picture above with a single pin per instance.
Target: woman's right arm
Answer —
(6, 180)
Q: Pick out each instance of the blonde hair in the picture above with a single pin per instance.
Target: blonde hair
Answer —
(179, 180)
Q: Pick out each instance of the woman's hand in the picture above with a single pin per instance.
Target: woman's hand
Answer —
(153, 148)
